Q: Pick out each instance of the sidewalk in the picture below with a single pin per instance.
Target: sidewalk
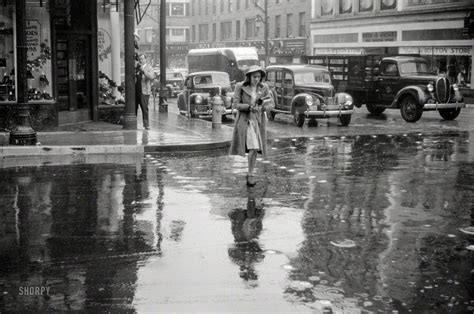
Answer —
(169, 132)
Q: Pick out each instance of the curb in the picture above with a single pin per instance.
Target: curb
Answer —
(10, 151)
(15, 151)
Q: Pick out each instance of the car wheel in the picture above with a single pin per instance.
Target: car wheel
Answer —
(224, 118)
(271, 115)
(345, 119)
(411, 111)
(312, 122)
(374, 109)
(299, 119)
(449, 113)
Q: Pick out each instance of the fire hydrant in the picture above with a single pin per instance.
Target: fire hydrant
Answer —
(217, 110)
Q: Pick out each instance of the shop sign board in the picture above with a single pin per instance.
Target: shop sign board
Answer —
(33, 38)
(437, 51)
(339, 51)
(379, 36)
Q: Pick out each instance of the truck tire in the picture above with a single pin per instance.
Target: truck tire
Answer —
(271, 115)
(449, 113)
(345, 119)
(410, 110)
(374, 109)
(299, 119)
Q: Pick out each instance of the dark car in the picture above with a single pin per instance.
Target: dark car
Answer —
(406, 83)
(174, 83)
(306, 91)
(202, 90)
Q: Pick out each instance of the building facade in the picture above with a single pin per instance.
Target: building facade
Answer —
(177, 33)
(235, 23)
(433, 29)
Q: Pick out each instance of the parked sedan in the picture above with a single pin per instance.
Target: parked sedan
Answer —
(306, 91)
(174, 83)
(202, 90)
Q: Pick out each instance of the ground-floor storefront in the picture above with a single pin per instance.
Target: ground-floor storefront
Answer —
(437, 37)
(61, 61)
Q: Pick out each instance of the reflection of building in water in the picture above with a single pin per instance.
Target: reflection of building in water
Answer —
(80, 231)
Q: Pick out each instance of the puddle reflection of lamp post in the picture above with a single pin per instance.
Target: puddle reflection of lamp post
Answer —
(259, 21)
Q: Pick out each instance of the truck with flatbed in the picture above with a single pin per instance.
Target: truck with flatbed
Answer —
(399, 82)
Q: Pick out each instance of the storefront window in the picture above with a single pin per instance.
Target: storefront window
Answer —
(38, 39)
(7, 56)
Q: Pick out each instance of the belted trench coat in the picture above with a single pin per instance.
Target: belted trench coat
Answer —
(241, 102)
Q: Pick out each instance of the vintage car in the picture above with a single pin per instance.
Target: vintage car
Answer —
(174, 83)
(305, 91)
(202, 90)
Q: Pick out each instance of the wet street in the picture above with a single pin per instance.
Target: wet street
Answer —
(335, 224)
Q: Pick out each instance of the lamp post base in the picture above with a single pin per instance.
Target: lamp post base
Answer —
(23, 133)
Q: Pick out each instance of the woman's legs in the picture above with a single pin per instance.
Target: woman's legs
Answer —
(252, 158)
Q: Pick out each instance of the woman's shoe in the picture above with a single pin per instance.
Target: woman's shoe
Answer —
(251, 180)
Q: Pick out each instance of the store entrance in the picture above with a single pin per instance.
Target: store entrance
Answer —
(73, 78)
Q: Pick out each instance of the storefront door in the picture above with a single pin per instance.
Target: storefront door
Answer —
(73, 77)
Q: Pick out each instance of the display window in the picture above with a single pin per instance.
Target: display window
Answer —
(7, 53)
(38, 39)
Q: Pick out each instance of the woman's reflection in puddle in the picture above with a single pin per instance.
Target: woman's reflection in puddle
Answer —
(246, 225)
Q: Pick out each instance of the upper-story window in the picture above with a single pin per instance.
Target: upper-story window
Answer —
(229, 9)
(302, 25)
(250, 29)
(366, 5)
(206, 7)
(289, 25)
(199, 7)
(203, 32)
(237, 29)
(327, 7)
(214, 5)
(222, 6)
(277, 1)
(226, 30)
(278, 26)
(390, 4)
(238, 4)
(247, 4)
(192, 8)
(177, 9)
(345, 6)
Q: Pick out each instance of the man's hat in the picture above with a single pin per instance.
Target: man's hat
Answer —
(255, 68)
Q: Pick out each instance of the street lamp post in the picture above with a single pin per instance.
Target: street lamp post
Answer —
(263, 20)
(163, 105)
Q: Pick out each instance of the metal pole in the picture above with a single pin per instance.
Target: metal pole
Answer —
(22, 133)
(266, 32)
(130, 118)
(163, 105)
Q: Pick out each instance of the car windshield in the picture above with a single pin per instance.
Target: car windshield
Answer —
(174, 76)
(414, 67)
(244, 64)
(312, 78)
(214, 79)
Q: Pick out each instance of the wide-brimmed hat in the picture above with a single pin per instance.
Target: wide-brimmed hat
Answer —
(255, 68)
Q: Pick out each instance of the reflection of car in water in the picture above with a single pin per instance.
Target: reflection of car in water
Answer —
(174, 83)
(201, 90)
(234, 61)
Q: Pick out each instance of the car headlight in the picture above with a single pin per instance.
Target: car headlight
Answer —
(198, 99)
(309, 100)
(430, 87)
(455, 87)
(349, 101)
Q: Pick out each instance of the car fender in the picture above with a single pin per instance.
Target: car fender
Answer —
(182, 102)
(415, 91)
(298, 103)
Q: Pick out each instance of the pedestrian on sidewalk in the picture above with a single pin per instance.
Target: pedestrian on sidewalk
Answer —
(252, 99)
(144, 76)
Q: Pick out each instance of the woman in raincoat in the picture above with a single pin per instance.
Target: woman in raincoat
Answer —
(252, 99)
